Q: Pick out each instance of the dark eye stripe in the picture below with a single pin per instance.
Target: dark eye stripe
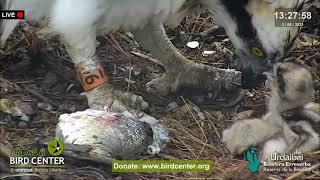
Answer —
(280, 80)
(236, 8)
(245, 29)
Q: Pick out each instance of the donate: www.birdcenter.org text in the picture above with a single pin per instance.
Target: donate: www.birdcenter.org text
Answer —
(161, 166)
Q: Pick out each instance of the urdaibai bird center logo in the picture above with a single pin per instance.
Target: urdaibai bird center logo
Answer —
(55, 147)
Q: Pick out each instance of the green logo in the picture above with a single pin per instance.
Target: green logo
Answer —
(55, 147)
(253, 160)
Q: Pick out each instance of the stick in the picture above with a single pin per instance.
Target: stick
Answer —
(7, 52)
(194, 117)
(147, 57)
(298, 174)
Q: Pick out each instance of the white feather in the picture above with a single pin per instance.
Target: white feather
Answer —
(71, 17)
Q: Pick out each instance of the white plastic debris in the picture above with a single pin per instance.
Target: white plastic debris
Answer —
(226, 40)
(193, 44)
(207, 53)
(113, 135)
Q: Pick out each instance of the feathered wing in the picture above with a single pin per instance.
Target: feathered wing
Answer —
(68, 17)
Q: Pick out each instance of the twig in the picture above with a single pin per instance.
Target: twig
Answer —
(146, 57)
(210, 30)
(195, 138)
(189, 148)
(214, 127)
(311, 36)
(313, 153)
(129, 82)
(6, 53)
(116, 44)
(33, 92)
(193, 30)
(194, 118)
(210, 120)
(40, 96)
(306, 50)
(300, 173)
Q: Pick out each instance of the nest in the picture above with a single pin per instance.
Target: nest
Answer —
(195, 133)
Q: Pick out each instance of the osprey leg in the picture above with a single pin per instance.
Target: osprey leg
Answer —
(100, 94)
(182, 73)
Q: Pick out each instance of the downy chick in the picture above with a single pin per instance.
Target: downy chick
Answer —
(291, 121)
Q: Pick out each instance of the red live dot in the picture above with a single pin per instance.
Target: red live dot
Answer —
(20, 15)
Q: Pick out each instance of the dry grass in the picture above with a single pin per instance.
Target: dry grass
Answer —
(195, 133)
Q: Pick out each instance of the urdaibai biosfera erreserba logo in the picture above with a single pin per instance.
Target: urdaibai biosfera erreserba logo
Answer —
(253, 160)
(55, 147)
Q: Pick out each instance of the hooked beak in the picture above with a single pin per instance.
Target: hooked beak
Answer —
(251, 79)
(253, 72)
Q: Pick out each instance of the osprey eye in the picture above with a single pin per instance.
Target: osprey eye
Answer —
(256, 51)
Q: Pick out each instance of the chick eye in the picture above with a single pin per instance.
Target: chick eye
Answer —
(256, 51)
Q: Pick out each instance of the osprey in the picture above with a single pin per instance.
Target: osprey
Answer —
(291, 123)
(248, 23)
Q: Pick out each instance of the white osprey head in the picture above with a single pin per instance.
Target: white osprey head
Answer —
(250, 25)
